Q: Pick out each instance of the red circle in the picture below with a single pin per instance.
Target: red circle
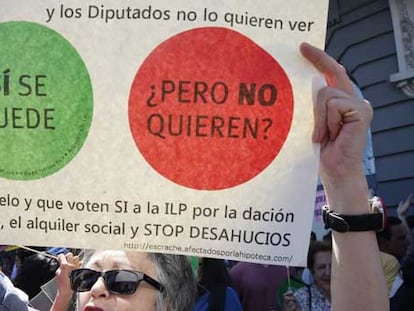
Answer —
(209, 109)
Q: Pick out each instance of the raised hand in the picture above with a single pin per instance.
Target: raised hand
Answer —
(341, 118)
(403, 207)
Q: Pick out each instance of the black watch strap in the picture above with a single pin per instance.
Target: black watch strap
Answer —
(345, 223)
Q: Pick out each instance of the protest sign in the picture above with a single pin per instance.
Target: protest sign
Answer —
(160, 126)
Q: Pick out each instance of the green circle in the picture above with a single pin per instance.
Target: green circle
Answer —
(46, 101)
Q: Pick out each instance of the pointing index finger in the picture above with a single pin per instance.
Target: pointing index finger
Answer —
(335, 74)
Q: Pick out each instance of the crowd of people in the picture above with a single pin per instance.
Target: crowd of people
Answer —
(347, 272)
(172, 282)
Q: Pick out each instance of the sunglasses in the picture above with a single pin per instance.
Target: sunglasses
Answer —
(121, 282)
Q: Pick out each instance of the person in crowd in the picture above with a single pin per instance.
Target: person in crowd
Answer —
(316, 296)
(393, 239)
(391, 267)
(402, 288)
(7, 260)
(36, 270)
(214, 287)
(20, 258)
(407, 221)
(257, 285)
(12, 298)
(306, 274)
(402, 300)
(393, 242)
(125, 281)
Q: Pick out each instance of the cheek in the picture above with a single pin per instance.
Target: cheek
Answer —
(83, 299)
(322, 282)
(322, 275)
(318, 275)
(143, 300)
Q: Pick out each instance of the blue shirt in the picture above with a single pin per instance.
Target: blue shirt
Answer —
(11, 298)
(232, 301)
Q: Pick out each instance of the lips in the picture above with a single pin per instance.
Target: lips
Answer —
(92, 308)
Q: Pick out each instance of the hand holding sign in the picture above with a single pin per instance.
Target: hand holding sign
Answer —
(341, 125)
(67, 263)
(341, 119)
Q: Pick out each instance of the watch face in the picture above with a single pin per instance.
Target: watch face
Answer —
(377, 207)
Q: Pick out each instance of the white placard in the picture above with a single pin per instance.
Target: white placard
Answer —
(161, 126)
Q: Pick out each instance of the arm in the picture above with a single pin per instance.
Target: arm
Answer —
(64, 294)
(402, 212)
(341, 125)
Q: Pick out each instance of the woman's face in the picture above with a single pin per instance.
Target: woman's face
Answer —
(322, 270)
(100, 299)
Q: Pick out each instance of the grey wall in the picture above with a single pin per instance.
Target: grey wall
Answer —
(360, 36)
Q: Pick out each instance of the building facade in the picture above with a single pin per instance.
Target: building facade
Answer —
(374, 41)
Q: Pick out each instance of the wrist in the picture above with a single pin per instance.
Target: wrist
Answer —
(64, 297)
(347, 195)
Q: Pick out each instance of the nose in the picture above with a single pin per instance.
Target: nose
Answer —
(99, 289)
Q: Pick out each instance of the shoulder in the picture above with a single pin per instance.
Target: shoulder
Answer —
(202, 303)
(302, 296)
(232, 300)
(302, 292)
(238, 268)
(12, 298)
(231, 293)
(318, 300)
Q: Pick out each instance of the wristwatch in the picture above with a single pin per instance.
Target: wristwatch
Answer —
(374, 221)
